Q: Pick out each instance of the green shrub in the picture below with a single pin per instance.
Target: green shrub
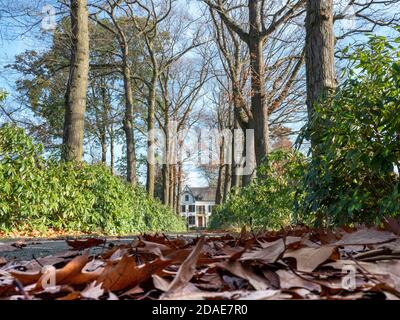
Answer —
(355, 179)
(38, 194)
(268, 202)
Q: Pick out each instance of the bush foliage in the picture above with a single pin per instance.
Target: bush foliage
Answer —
(268, 202)
(356, 177)
(38, 193)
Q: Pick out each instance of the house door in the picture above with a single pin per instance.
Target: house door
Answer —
(200, 221)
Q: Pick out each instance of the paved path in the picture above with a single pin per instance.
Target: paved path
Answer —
(43, 248)
(39, 248)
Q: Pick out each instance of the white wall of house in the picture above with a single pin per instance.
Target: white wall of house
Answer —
(196, 212)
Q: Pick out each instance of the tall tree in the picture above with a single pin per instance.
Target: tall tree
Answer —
(119, 19)
(320, 63)
(254, 32)
(75, 98)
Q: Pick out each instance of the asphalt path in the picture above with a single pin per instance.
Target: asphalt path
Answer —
(28, 249)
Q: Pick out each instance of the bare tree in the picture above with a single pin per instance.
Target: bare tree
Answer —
(180, 86)
(255, 37)
(119, 13)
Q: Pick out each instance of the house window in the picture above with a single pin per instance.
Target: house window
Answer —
(191, 208)
(183, 208)
(192, 220)
(210, 208)
(201, 209)
(186, 197)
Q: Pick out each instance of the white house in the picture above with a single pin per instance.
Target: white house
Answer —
(197, 205)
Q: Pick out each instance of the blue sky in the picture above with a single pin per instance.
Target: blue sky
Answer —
(17, 45)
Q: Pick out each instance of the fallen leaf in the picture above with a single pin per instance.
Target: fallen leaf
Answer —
(365, 237)
(160, 283)
(187, 269)
(71, 296)
(269, 253)
(308, 259)
(92, 291)
(392, 224)
(289, 280)
(81, 244)
(3, 261)
(237, 269)
(6, 247)
(26, 278)
(126, 273)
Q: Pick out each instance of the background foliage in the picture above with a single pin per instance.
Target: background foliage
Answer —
(269, 201)
(38, 193)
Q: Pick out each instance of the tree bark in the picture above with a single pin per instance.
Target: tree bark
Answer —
(227, 181)
(220, 182)
(128, 122)
(259, 122)
(151, 139)
(166, 184)
(75, 98)
(320, 65)
(112, 150)
(178, 187)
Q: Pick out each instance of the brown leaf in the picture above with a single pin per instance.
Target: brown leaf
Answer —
(160, 283)
(187, 269)
(392, 224)
(69, 273)
(6, 247)
(80, 244)
(272, 278)
(19, 244)
(231, 295)
(308, 259)
(157, 249)
(270, 251)
(237, 269)
(26, 278)
(289, 280)
(133, 291)
(126, 273)
(70, 296)
(365, 237)
(3, 261)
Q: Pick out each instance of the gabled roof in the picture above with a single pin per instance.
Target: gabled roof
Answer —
(202, 193)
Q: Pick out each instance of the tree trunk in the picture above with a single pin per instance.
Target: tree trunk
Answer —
(75, 97)
(128, 121)
(166, 184)
(227, 181)
(151, 139)
(236, 166)
(320, 65)
(172, 192)
(248, 170)
(220, 182)
(102, 124)
(103, 149)
(178, 187)
(112, 151)
(259, 122)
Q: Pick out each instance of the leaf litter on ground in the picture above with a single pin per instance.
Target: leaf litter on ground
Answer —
(294, 263)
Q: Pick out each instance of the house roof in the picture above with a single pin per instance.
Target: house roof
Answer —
(203, 193)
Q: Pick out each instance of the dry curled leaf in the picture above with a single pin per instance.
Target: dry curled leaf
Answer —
(81, 244)
(308, 259)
